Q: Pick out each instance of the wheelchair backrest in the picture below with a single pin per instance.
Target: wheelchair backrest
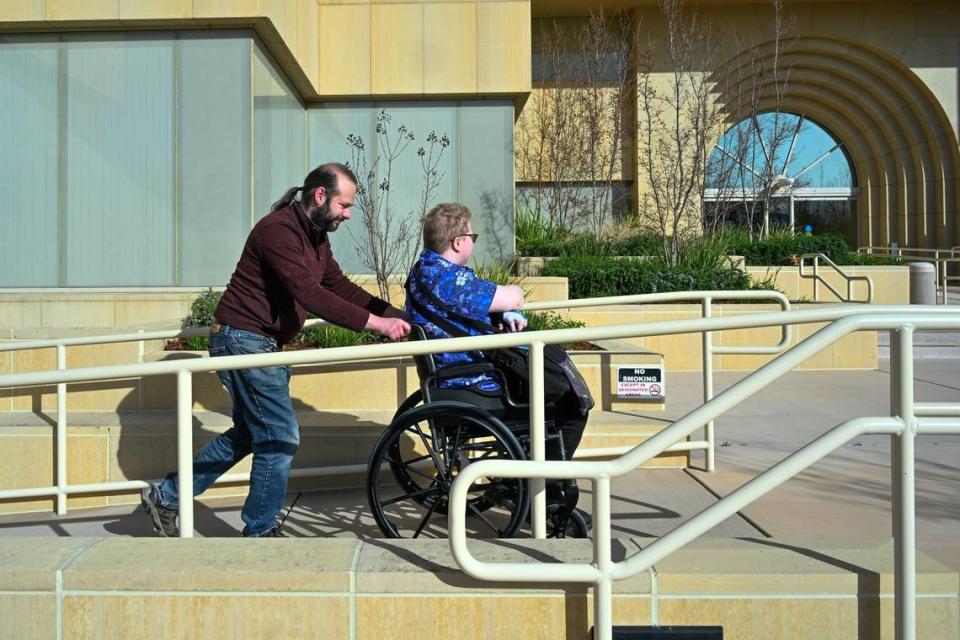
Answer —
(426, 366)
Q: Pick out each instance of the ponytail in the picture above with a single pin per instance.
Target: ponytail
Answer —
(286, 199)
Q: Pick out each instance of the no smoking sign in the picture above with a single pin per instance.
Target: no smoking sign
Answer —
(640, 382)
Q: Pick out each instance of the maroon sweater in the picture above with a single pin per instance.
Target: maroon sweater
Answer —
(287, 269)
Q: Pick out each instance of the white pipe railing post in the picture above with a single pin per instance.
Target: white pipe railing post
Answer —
(602, 540)
(816, 278)
(60, 442)
(538, 449)
(185, 451)
(905, 543)
(709, 452)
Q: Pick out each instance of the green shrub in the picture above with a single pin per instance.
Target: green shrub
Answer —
(782, 248)
(203, 308)
(591, 277)
(864, 259)
(547, 320)
(330, 336)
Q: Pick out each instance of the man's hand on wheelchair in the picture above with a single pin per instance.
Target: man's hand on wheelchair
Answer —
(392, 329)
(513, 321)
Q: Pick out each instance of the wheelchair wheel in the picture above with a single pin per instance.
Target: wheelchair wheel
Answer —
(415, 398)
(425, 448)
(575, 527)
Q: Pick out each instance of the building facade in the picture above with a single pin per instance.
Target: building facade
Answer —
(142, 140)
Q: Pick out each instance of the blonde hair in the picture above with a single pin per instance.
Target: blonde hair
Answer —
(443, 223)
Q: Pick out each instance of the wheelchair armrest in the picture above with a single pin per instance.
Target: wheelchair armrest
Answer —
(459, 370)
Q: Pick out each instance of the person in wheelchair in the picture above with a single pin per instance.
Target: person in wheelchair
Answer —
(448, 299)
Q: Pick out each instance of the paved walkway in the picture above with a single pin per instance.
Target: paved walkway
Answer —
(844, 497)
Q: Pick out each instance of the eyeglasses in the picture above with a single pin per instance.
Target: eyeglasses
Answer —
(472, 236)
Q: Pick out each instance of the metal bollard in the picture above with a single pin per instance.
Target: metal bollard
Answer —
(923, 288)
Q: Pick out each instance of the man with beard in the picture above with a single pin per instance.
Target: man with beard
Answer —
(286, 269)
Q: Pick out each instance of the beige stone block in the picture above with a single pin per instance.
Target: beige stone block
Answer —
(140, 310)
(792, 567)
(32, 462)
(139, 10)
(427, 567)
(22, 10)
(30, 564)
(20, 311)
(160, 392)
(761, 336)
(88, 311)
(543, 289)
(212, 617)
(481, 616)
(308, 50)
(28, 616)
(937, 617)
(86, 10)
(450, 48)
(231, 564)
(335, 387)
(228, 8)
(397, 49)
(891, 285)
(6, 367)
(503, 47)
(782, 618)
(628, 609)
(344, 49)
(854, 351)
(34, 399)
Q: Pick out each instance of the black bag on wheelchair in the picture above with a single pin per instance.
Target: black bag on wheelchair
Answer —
(560, 375)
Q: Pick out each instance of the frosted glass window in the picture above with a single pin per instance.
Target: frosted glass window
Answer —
(486, 174)
(214, 152)
(28, 163)
(278, 133)
(119, 146)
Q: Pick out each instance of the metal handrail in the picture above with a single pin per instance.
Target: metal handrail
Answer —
(941, 259)
(907, 420)
(817, 279)
(707, 444)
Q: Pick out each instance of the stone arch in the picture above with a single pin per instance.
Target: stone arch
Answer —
(898, 137)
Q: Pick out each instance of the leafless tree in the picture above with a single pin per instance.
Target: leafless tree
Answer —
(759, 149)
(569, 142)
(678, 119)
(391, 239)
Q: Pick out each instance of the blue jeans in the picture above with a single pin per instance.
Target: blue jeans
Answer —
(264, 423)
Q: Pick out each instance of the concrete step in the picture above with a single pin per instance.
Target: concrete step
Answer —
(926, 344)
(116, 447)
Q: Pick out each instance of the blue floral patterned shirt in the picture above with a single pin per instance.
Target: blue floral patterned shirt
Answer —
(465, 294)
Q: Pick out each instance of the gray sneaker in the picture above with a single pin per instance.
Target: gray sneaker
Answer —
(164, 519)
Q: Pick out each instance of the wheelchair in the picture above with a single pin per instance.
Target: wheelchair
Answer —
(437, 432)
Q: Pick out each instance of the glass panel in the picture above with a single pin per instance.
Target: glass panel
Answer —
(330, 124)
(279, 135)
(774, 146)
(28, 164)
(214, 153)
(119, 147)
(486, 174)
(828, 216)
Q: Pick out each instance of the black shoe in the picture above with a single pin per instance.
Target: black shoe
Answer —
(276, 532)
(164, 519)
